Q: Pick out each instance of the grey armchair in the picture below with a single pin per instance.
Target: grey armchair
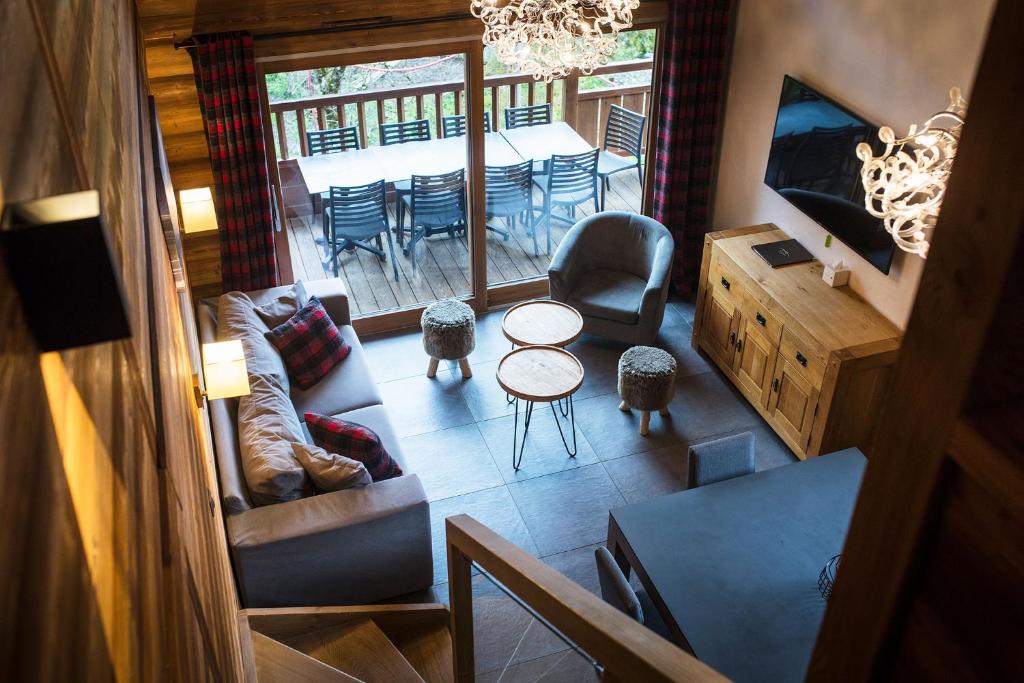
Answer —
(614, 268)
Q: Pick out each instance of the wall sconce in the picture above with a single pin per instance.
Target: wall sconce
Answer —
(198, 214)
(905, 185)
(224, 370)
(58, 253)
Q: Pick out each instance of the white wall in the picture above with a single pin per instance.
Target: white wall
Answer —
(891, 61)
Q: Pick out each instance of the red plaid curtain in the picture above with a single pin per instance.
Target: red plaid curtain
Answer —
(225, 74)
(697, 44)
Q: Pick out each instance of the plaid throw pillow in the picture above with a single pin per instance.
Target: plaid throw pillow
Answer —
(309, 343)
(354, 441)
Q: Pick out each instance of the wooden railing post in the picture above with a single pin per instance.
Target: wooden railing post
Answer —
(570, 101)
(460, 598)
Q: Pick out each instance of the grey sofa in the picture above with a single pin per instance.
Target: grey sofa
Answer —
(614, 267)
(353, 546)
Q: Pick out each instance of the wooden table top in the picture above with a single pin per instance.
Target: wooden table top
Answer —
(734, 566)
(543, 322)
(540, 373)
(399, 162)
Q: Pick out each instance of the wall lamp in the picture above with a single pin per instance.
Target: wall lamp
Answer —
(224, 371)
(58, 254)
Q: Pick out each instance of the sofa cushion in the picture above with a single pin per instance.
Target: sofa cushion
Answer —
(267, 428)
(237, 319)
(310, 344)
(347, 387)
(330, 471)
(355, 441)
(278, 310)
(609, 294)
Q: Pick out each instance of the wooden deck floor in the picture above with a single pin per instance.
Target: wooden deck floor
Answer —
(442, 262)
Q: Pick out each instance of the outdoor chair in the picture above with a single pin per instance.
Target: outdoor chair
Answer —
(454, 126)
(534, 115)
(571, 181)
(624, 131)
(417, 130)
(435, 203)
(329, 142)
(509, 195)
(332, 140)
(356, 215)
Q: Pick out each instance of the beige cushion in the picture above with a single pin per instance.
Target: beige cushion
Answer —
(330, 471)
(237, 319)
(267, 428)
(348, 386)
(278, 310)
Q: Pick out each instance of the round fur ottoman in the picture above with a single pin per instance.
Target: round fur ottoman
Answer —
(449, 333)
(647, 380)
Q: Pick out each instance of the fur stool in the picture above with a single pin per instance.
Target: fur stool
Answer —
(449, 333)
(647, 381)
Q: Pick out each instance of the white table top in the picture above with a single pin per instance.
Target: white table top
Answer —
(431, 157)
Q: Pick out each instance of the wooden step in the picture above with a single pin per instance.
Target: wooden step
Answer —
(360, 649)
(429, 649)
(278, 663)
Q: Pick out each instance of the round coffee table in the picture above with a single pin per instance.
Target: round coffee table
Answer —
(542, 323)
(540, 374)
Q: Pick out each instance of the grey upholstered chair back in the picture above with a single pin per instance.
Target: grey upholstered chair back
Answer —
(618, 240)
(615, 588)
(721, 459)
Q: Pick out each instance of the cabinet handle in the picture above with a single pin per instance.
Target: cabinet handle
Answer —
(739, 345)
(775, 384)
(725, 283)
(801, 359)
(732, 339)
(760, 319)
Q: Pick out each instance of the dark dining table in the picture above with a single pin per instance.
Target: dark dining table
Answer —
(733, 567)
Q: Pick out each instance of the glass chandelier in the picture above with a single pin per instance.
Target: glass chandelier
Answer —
(550, 38)
(905, 185)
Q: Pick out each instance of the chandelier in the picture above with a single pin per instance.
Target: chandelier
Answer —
(905, 185)
(550, 38)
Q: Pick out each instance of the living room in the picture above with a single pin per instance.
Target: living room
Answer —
(291, 433)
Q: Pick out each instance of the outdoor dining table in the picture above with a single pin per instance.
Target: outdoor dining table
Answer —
(399, 162)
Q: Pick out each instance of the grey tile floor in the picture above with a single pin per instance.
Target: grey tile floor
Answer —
(457, 436)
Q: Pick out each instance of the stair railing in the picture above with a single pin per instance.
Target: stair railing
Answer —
(624, 649)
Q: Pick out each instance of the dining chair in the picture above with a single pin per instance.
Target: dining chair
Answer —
(356, 215)
(332, 140)
(533, 115)
(329, 141)
(617, 592)
(404, 131)
(623, 131)
(720, 459)
(509, 195)
(454, 126)
(571, 180)
(398, 133)
(435, 203)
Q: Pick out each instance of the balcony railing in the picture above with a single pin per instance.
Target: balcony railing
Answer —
(584, 110)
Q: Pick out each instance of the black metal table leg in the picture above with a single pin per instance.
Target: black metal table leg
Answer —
(517, 460)
(572, 420)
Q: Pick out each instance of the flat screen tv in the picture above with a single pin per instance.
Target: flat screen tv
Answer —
(813, 165)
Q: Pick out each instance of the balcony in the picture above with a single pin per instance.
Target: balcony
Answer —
(443, 263)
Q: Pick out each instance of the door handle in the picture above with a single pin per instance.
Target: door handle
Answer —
(775, 384)
(739, 345)
(732, 339)
(725, 283)
(761, 320)
(801, 359)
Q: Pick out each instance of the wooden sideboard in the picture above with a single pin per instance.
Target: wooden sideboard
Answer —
(814, 360)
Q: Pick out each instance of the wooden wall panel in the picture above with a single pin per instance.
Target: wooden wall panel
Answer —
(116, 566)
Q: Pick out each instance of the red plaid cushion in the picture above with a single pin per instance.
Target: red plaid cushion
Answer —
(309, 343)
(353, 441)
